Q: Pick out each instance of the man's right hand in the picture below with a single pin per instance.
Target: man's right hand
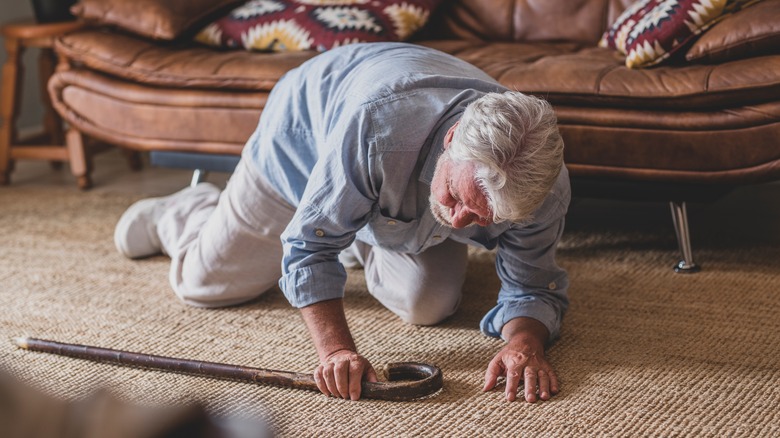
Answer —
(341, 368)
(341, 374)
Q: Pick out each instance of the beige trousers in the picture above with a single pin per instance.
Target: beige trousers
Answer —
(225, 250)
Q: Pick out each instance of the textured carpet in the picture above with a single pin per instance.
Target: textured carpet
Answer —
(643, 351)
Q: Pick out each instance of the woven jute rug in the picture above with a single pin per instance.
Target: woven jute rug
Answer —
(644, 351)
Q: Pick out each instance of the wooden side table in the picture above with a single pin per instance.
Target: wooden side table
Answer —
(51, 144)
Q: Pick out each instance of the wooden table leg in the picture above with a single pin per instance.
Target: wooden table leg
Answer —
(52, 122)
(78, 158)
(9, 105)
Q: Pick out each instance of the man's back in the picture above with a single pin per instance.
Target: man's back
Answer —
(358, 101)
(361, 73)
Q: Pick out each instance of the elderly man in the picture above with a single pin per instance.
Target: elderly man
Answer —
(394, 157)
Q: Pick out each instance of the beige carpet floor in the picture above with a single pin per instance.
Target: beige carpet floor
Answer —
(644, 352)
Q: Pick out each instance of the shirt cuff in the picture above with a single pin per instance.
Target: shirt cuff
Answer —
(315, 283)
(493, 322)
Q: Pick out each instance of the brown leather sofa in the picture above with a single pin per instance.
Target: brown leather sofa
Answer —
(679, 132)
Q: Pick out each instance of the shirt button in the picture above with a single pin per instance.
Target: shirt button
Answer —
(319, 232)
(391, 222)
(437, 237)
(552, 286)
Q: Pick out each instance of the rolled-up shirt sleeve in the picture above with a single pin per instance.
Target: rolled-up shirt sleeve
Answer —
(532, 283)
(337, 201)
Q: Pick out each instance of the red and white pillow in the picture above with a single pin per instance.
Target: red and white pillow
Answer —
(280, 25)
(650, 31)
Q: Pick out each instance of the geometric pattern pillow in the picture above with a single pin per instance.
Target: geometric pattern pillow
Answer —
(650, 31)
(281, 25)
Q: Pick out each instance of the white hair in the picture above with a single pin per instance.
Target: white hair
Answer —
(513, 141)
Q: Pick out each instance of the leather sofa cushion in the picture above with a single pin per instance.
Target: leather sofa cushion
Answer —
(177, 65)
(581, 21)
(573, 74)
(563, 73)
(753, 31)
(158, 19)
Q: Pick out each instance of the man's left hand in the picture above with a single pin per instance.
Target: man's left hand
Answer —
(522, 358)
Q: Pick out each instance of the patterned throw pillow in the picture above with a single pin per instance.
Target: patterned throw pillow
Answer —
(650, 31)
(279, 25)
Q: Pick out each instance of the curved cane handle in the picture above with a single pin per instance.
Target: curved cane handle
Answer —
(407, 381)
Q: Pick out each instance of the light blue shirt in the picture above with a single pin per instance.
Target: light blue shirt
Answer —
(351, 139)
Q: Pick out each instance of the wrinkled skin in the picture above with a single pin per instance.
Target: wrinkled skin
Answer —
(522, 359)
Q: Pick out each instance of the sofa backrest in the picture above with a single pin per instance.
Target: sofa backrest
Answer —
(582, 21)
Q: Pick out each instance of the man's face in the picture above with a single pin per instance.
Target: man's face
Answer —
(456, 199)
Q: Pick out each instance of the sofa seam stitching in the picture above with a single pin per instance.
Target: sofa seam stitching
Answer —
(707, 79)
(601, 76)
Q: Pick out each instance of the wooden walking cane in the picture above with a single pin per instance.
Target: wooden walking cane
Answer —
(408, 380)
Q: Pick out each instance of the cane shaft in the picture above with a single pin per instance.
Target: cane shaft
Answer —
(409, 380)
(164, 363)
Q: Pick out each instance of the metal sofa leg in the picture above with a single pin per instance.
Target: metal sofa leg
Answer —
(198, 176)
(680, 218)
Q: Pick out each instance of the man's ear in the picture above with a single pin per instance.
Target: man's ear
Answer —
(450, 133)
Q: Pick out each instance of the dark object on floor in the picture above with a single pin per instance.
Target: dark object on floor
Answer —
(26, 412)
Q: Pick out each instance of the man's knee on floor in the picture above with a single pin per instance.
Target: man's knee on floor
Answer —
(430, 306)
(203, 291)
